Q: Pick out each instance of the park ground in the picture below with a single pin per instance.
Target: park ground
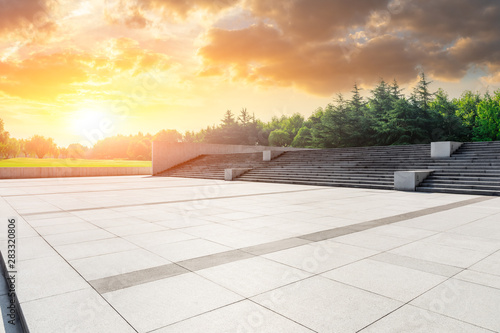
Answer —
(67, 162)
(160, 254)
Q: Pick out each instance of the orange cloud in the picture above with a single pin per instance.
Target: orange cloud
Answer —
(28, 19)
(46, 77)
(263, 55)
(43, 76)
(324, 46)
(184, 7)
(134, 13)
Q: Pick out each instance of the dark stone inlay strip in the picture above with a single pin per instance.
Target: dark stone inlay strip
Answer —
(172, 201)
(212, 260)
(117, 282)
(335, 232)
(327, 234)
(276, 246)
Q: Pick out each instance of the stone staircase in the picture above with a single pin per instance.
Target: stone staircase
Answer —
(474, 168)
(212, 166)
(364, 167)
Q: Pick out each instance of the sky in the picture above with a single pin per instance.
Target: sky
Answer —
(78, 71)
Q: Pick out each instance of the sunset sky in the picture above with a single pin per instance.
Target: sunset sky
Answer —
(76, 70)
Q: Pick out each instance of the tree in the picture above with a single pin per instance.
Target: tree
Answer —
(140, 150)
(279, 138)
(336, 126)
(395, 91)
(23, 147)
(356, 102)
(228, 119)
(4, 135)
(467, 111)
(358, 120)
(40, 146)
(487, 126)
(379, 107)
(112, 147)
(169, 135)
(303, 138)
(63, 152)
(4, 139)
(421, 92)
(76, 150)
(405, 124)
(192, 136)
(447, 125)
(293, 124)
(244, 118)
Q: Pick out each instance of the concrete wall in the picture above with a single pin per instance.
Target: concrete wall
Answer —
(167, 155)
(52, 172)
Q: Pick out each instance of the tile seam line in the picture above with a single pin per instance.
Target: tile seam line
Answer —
(25, 324)
(119, 190)
(169, 202)
(215, 182)
(445, 207)
(91, 182)
(441, 314)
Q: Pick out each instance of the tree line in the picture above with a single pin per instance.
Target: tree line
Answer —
(133, 147)
(386, 117)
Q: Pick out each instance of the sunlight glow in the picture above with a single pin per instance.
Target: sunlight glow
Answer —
(87, 119)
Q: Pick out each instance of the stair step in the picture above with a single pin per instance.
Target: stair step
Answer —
(474, 168)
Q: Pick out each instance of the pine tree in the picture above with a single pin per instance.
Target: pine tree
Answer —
(228, 118)
(357, 102)
(421, 92)
(396, 92)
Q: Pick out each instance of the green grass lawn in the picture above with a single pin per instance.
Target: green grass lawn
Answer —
(59, 162)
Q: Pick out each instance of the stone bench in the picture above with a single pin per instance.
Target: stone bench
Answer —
(268, 155)
(231, 174)
(444, 149)
(409, 180)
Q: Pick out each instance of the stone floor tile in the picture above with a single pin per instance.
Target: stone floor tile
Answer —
(396, 282)
(324, 305)
(156, 304)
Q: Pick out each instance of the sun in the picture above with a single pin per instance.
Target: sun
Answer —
(87, 119)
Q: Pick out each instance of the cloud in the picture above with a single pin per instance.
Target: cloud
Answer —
(29, 19)
(263, 55)
(444, 21)
(42, 76)
(48, 76)
(312, 20)
(140, 13)
(322, 46)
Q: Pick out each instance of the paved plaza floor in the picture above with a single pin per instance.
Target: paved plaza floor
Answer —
(158, 254)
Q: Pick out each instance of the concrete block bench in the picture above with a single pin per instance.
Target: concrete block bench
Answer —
(268, 155)
(231, 174)
(409, 180)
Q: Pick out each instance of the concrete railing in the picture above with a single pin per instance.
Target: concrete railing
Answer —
(53, 172)
(167, 155)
